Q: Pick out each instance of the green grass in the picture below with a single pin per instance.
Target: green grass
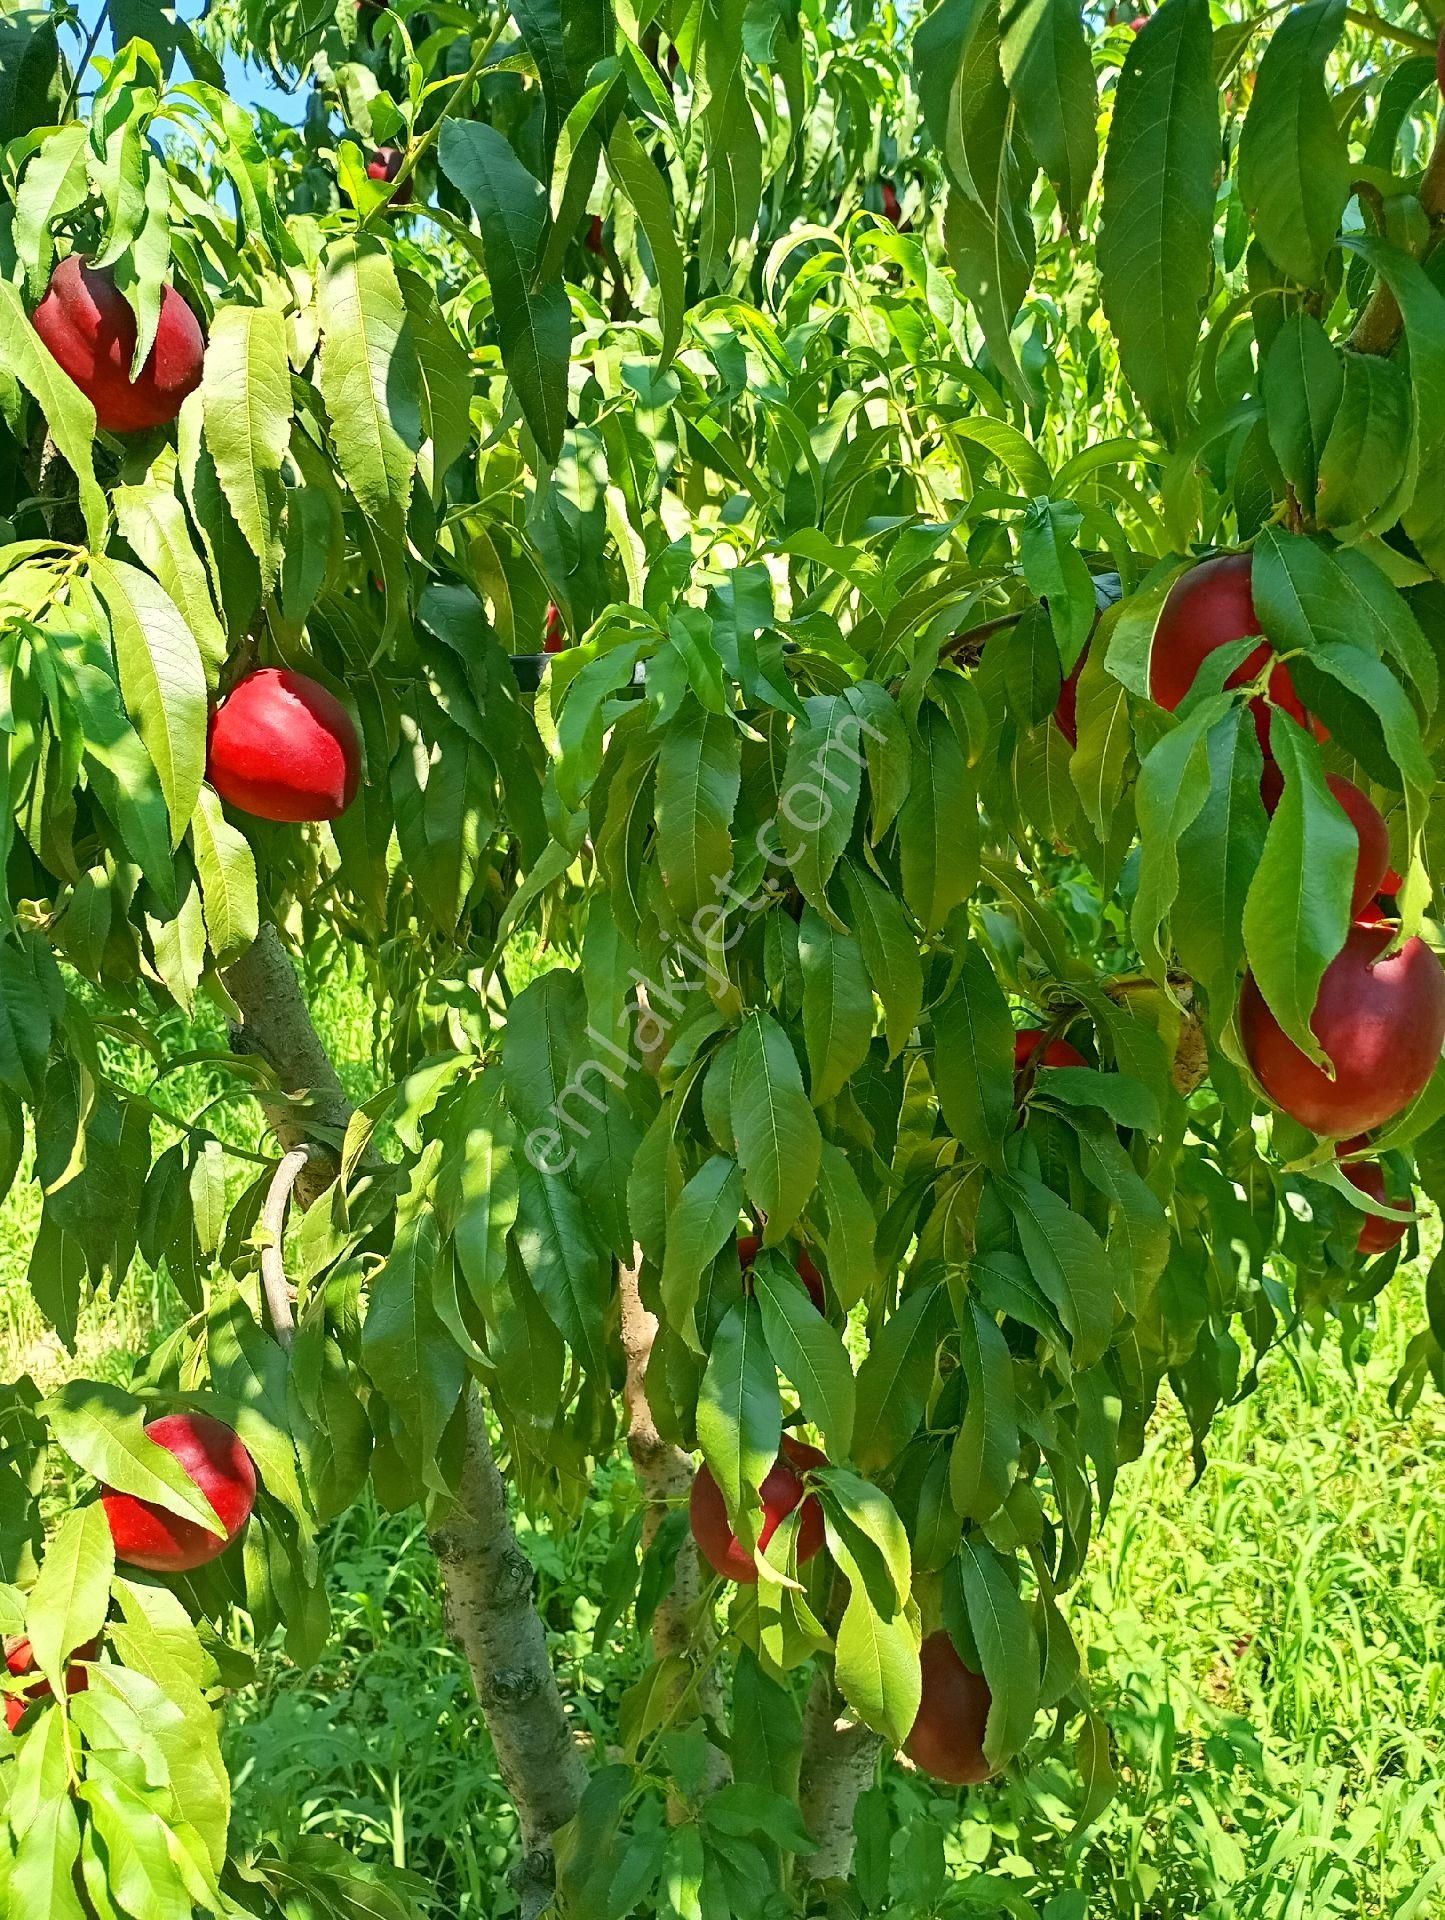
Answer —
(1268, 1647)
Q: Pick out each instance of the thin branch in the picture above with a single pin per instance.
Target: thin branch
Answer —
(664, 1473)
(274, 1284)
(1379, 326)
(1385, 30)
(92, 41)
(428, 139)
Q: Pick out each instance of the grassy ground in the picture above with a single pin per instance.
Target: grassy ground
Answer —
(1269, 1647)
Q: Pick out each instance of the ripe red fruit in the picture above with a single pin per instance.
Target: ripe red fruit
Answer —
(1066, 713)
(1380, 1022)
(146, 1535)
(20, 1658)
(90, 330)
(593, 242)
(781, 1491)
(283, 748)
(1376, 1235)
(892, 210)
(1207, 608)
(947, 1736)
(1373, 860)
(1391, 882)
(1057, 1053)
(1440, 61)
(555, 639)
(748, 1244)
(385, 164)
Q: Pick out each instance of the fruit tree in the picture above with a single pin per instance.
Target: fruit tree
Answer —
(845, 611)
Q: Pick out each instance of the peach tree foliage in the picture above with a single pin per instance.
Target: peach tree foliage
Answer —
(829, 509)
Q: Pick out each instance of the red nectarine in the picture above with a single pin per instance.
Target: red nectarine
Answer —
(1380, 1022)
(149, 1536)
(283, 748)
(947, 1736)
(1055, 1053)
(781, 1491)
(1376, 1235)
(748, 1244)
(1371, 833)
(88, 325)
(1207, 608)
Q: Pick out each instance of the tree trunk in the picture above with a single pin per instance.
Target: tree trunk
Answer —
(490, 1614)
(839, 1755)
(664, 1472)
(487, 1579)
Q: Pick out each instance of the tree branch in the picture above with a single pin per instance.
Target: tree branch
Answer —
(487, 1579)
(1380, 325)
(839, 1755)
(491, 1615)
(274, 1284)
(664, 1472)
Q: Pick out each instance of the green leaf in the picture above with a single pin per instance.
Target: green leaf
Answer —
(699, 1225)
(974, 1059)
(1172, 790)
(890, 952)
(739, 1415)
(154, 524)
(369, 378)
(986, 1454)
(1371, 449)
(409, 1354)
(938, 829)
(877, 1666)
(1158, 219)
(837, 1005)
(809, 1352)
(698, 779)
(1055, 572)
(1303, 382)
(766, 1729)
(852, 1230)
(1220, 852)
(246, 394)
(42, 1876)
(1294, 167)
(566, 1262)
(534, 324)
(1004, 1636)
(102, 1429)
(162, 679)
(68, 414)
(818, 797)
(444, 369)
(636, 174)
(69, 1601)
(1068, 1260)
(1046, 63)
(778, 1141)
(866, 1537)
(896, 1377)
(226, 869)
(478, 1188)
(1297, 912)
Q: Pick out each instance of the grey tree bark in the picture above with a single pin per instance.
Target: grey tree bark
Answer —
(488, 1581)
(839, 1755)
